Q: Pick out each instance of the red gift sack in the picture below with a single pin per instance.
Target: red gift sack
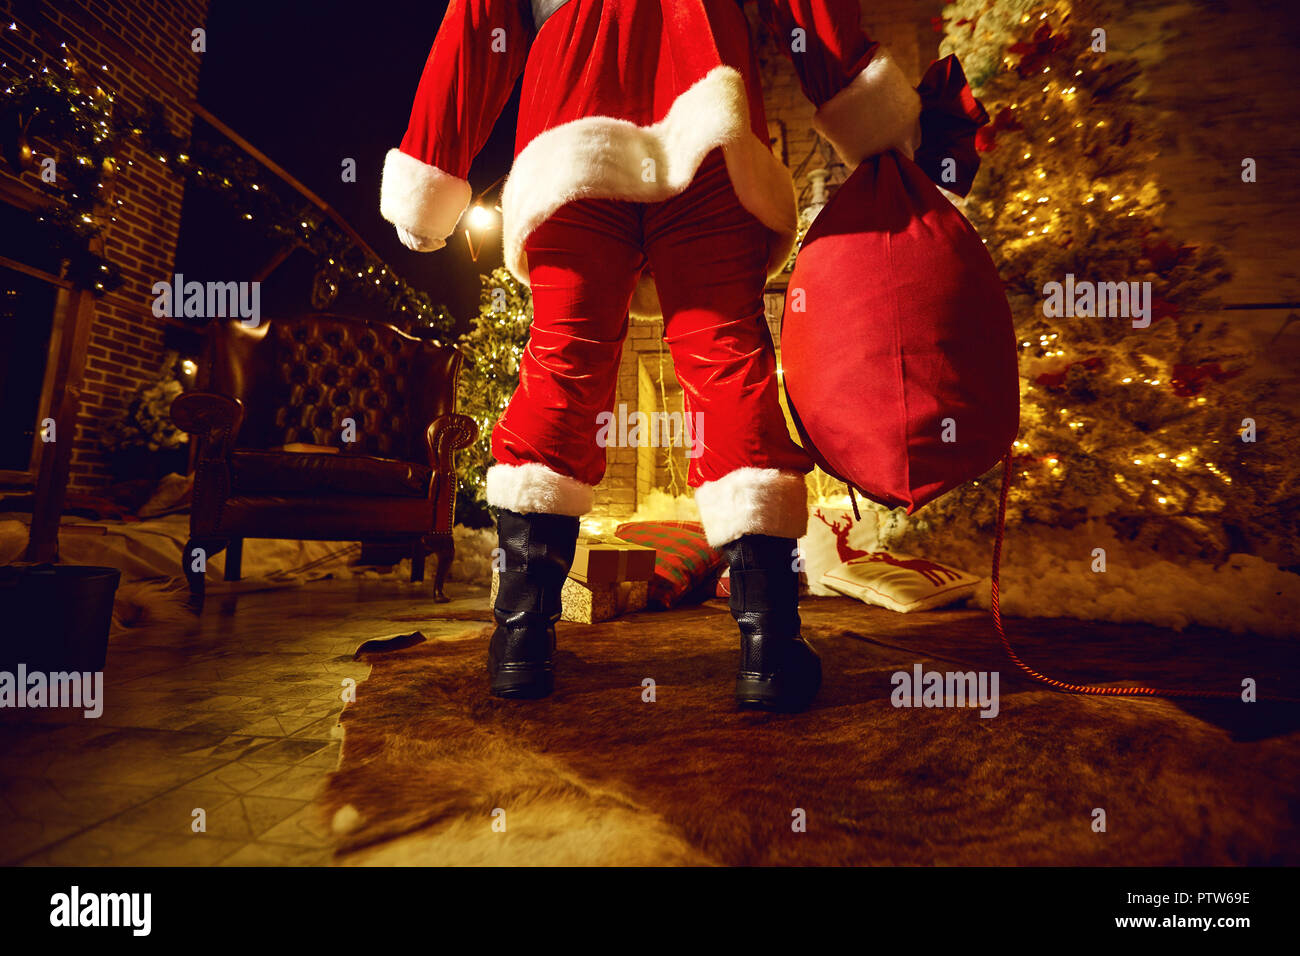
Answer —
(898, 347)
(897, 343)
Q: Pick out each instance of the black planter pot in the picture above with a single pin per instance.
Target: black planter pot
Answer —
(56, 617)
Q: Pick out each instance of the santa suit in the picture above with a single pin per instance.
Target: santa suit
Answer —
(641, 166)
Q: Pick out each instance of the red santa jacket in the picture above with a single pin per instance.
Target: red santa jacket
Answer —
(623, 99)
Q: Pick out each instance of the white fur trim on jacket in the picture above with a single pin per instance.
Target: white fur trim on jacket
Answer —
(422, 199)
(599, 157)
(878, 110)
(530, 488)
(753, 501)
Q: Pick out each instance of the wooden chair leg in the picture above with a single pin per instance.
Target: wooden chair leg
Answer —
(417, 560)
(194, 560)
(445, 549)
(235, 559)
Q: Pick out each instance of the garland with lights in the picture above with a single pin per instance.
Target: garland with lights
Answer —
(75, 111)
(1142, 426)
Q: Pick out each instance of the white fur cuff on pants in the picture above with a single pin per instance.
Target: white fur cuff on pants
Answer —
(533, 488)
(753, 501)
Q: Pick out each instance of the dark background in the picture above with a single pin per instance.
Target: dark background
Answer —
(311, 82)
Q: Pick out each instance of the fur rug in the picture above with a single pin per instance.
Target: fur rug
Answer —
(432, 766)
(140, 604)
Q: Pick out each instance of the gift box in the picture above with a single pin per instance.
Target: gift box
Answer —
(600, 563)
(585, 604)
(590, 605)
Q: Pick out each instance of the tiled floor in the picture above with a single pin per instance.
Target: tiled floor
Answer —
(235, 716)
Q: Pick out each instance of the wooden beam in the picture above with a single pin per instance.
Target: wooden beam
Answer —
(74, 314)
(277, 260)
(35, 273)
(16, 192)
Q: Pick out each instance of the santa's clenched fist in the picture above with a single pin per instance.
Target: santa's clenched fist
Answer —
(419, 243)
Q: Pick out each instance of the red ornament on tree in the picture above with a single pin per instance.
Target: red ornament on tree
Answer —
(986, 137)
(1056, 379)
(1164, 257)
(1189, 380)
(1035, 54)
(1162, 308)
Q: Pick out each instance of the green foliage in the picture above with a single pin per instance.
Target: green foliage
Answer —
(147, 421)
(493, 348)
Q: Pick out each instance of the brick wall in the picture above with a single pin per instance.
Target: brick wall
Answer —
(126, 340)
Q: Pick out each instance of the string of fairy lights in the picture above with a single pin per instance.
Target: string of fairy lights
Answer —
(91, 135)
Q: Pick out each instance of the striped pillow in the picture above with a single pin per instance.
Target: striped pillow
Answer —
(684, 558)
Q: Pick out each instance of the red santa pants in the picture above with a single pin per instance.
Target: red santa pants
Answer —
(708, 256)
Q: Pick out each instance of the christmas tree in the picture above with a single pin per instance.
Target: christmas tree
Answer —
(492, 348)
(1153, 422)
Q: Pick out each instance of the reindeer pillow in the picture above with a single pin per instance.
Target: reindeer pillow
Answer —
(900, 582)
(834, 536)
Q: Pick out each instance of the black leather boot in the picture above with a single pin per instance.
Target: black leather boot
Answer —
(779, 670)
(538, 552)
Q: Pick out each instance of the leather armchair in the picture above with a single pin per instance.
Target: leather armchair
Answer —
(376, 410)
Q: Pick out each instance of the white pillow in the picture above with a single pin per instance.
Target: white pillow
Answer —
(834, 536)
(900, 582)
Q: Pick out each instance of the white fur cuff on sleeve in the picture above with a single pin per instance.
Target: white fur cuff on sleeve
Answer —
(420, 198)
(878, 110)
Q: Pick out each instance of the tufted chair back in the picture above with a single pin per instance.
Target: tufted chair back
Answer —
(301, 377)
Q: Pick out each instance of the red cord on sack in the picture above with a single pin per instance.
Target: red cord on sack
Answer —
(1062, 685)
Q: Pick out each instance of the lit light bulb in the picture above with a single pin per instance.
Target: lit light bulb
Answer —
(480, 218)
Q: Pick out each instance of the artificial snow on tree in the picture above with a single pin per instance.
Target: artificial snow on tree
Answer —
(1152, 419)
